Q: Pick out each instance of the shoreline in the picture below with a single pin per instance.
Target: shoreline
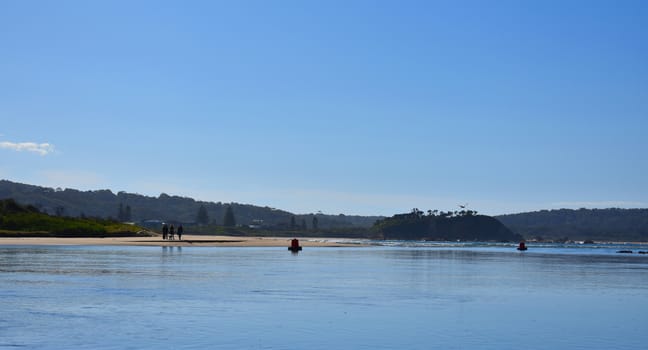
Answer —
(206, 241)
(187, 241)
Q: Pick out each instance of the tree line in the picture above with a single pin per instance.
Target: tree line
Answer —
(416, 212)
(202, 218)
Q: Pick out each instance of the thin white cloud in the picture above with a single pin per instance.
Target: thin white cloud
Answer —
(40, 148)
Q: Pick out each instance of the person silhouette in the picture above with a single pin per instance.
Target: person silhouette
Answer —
(171, 232)
(180, 231)
(165, 231)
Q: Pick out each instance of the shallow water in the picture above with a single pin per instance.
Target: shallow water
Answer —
(477, 297)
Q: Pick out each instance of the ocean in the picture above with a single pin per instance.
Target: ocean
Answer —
(390, 295)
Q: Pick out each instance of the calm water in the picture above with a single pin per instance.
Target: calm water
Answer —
(413, 297)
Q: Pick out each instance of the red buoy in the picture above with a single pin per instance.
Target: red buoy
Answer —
(294, 245)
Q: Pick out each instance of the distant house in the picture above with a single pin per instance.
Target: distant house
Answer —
(152, 223)
(256, 224)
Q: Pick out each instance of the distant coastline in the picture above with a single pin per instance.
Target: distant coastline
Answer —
(102, 213)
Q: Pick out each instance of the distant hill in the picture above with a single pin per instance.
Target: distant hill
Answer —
(583, 224)
(465, 227)
(106, 204)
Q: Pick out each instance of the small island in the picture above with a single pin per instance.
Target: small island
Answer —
(464, 225)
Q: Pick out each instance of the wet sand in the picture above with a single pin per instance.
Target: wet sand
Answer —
(187, 241)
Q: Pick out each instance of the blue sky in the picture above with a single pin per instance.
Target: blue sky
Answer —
(356, 107)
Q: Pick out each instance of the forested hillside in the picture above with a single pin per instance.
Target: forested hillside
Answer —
(582, 224)
(138, 208)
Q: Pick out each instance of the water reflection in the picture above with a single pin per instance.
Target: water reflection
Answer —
(171, 250)
(73, 297)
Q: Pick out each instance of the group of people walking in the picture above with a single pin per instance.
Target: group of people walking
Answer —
(169, 232)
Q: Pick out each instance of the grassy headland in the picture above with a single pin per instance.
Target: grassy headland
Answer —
(26, 221)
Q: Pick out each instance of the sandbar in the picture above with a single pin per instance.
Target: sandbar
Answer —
(187, 241)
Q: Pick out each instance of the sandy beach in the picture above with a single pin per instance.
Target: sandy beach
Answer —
(187, 241)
